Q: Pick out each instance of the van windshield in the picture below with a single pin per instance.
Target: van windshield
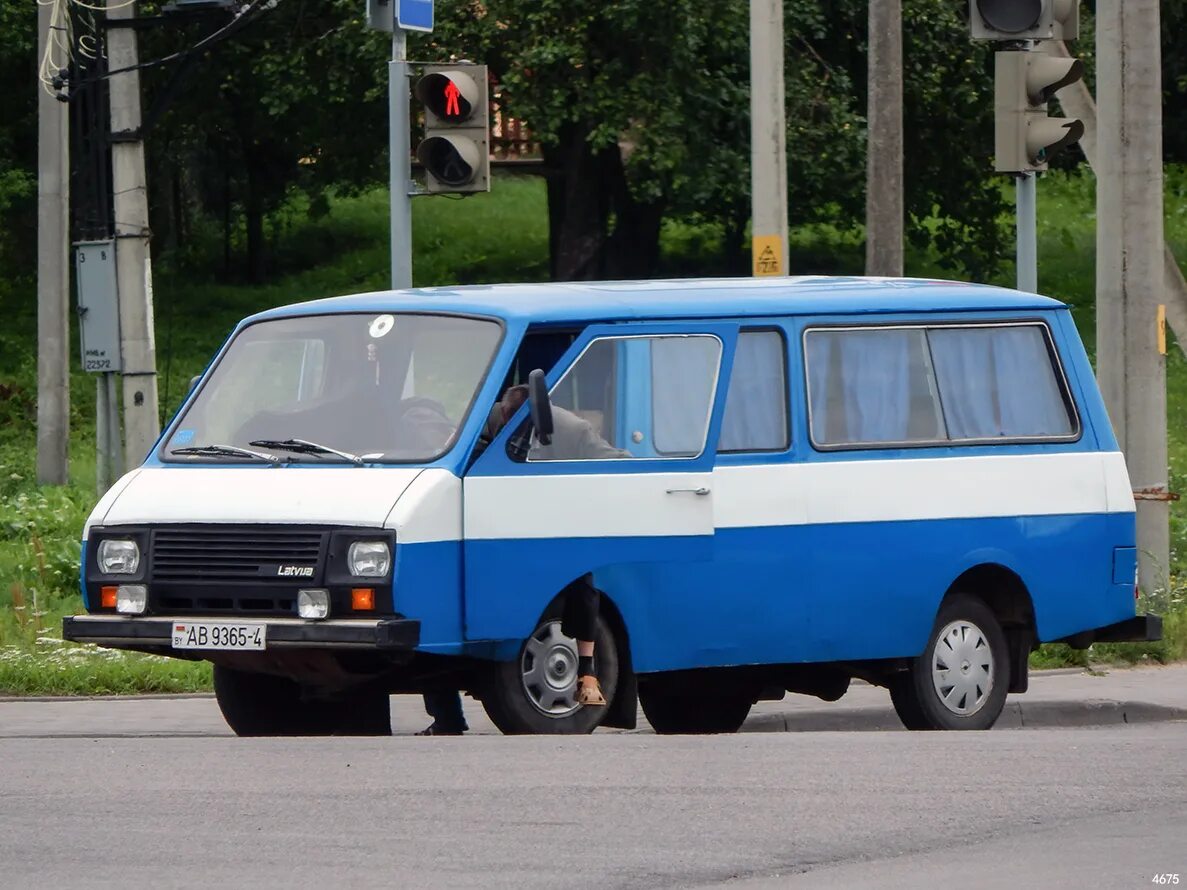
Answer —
(382, 387)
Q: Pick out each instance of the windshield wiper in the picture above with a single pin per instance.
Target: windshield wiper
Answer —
(226, 451)
(301, 446)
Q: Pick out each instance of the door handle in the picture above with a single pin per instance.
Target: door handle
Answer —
(700, 492)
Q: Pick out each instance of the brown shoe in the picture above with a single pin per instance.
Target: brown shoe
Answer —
(589, 692)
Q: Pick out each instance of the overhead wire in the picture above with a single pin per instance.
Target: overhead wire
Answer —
(60, 47)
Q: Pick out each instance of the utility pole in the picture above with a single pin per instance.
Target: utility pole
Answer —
(400, 154)
(1130, 272)
(142, 424)
(53, 272)
(884, 145)
(768, 139)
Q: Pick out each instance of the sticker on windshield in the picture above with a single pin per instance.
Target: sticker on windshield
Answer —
(183, 437)
(382, 325)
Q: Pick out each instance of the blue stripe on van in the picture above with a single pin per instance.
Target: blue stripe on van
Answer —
(805, 593)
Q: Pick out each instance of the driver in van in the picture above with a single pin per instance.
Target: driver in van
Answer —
(573, 438)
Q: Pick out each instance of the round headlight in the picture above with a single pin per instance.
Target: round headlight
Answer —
(118, 557)
(369, 559)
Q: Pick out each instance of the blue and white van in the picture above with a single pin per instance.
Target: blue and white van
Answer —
(797, 482)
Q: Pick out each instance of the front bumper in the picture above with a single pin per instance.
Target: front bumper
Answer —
(1138, 629)
(389, 635)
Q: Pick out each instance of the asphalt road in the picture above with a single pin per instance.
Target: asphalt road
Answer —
(1086, 807)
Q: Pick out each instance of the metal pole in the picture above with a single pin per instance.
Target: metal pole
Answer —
(53, 274)
(1130, 270)
(884, 146)
(1028, 247)
(400, 152)
(142, 420)
(768, 138)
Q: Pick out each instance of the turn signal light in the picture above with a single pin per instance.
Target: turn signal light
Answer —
(362, 599)
(108, 596)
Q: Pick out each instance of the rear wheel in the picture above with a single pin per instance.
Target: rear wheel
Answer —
(674, 708)
(961, 679)
(536, 693)
(256, 704)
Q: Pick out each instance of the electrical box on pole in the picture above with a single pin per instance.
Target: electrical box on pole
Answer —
(98, 305)
(1026, 137)
(1025, 19)
(455, 151)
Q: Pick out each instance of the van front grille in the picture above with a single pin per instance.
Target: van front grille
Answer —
(235, 553)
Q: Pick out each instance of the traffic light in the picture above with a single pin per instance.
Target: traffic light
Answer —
(455, 151)
(1026, 135)
(1025, 19)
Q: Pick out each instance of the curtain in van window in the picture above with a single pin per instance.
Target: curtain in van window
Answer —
(683, 377)
(860, 385)
(998, 383)
(756, 404)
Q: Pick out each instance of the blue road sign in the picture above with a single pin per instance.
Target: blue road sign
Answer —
(414, 15)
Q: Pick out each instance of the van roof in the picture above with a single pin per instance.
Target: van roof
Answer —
(684, 298)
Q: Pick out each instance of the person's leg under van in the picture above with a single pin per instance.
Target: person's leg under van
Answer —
(445, 707)
(580, 621)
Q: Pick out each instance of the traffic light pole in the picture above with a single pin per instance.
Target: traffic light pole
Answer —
(400, 157)
(1027, 222)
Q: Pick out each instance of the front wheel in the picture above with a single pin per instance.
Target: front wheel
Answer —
(536, 693)
(256, 704)
(961, 679)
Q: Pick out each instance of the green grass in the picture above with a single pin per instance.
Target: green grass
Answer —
(501, 236)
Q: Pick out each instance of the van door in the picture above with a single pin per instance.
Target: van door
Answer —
(625, 489)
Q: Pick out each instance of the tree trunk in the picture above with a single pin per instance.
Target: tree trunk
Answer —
(578, 208)
(633, 247)
(584, 191)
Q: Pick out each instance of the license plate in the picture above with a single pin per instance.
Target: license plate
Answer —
(212, 635)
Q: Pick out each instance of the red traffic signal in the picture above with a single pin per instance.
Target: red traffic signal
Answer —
(450, 96)
(455, 151)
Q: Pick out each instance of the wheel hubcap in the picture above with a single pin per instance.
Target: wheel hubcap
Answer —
(549, 670)
(962, 668)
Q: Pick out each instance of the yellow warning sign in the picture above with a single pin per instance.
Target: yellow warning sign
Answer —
(767, 251)
(1162, 329)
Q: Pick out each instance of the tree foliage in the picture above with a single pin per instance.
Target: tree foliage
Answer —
(641, 107)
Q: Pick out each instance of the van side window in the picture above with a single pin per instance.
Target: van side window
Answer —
(756, 404)
(872, 386)
(952, 383)
(634, 397)
(1000, 383)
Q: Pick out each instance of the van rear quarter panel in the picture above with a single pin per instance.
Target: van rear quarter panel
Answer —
(1051, 512)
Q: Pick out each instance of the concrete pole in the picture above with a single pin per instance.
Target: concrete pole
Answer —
(768, 139)
(53, 277)
(1130, 270)
(132, 255)
(400, 158)
(884, 164)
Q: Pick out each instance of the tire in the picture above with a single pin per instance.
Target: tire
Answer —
(256, 704)
(534, 693)
(676, 709)
(961, 679)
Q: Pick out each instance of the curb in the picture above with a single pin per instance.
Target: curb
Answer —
(151, 696)
(1016, 715)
